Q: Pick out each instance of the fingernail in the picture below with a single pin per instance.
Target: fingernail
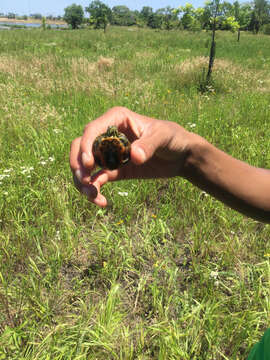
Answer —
(142, 154)
(86, 191)
(85, 159)
(90, 191)
(78, 174)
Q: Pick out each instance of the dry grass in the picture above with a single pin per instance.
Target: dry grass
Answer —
(228, 73)
(105, 63)
(50, 73)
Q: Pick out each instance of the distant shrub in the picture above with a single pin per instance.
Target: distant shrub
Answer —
(266, 29)
(195, 25)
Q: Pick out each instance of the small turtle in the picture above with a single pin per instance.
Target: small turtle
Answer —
(111, 149)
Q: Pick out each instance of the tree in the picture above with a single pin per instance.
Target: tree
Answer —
(121, 15)
(214, 8)
(145, 13)
(74, 15)
(36, 16)
(201, 17)
(154, 21)
(190, 17)
(259, 15)
(230, 23)
(168, 17)
(11, 16)
(242, 14)
(100, 14)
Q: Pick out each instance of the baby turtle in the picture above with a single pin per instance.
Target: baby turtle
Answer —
(111, 149)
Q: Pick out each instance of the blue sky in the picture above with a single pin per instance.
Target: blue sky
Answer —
(56, 7)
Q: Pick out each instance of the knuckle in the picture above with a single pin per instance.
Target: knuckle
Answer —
(86, 128)
(119, 109)
(75, 142)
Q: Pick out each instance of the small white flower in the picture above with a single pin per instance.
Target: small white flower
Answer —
(43, 162)
(5, 193)
(204, 194)
(51, 158)
(57, 131)
(124, 193)
(26, 170)
(7, 170)
(214, 274)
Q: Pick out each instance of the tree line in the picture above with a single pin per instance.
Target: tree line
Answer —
(35, 16)
(252, 16)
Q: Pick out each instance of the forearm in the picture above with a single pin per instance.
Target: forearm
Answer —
(242, 187)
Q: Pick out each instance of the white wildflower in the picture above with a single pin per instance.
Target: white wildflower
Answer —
(123, 193)
(214, 274)
(26, 170)
(57, 131)
(51, 158)
(2, 176)
(43, 162)
(204, 194)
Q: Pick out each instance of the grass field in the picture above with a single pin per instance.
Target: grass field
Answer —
(166, 271)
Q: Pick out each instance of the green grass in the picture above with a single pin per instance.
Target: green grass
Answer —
(166, 272)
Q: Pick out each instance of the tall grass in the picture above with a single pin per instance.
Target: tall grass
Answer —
(166, 272)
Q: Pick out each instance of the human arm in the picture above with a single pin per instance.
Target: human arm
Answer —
(243, 187)
(165, 149)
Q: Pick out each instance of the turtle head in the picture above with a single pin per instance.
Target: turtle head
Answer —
(112, 131)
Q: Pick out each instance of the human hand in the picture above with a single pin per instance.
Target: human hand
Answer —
(158, 149)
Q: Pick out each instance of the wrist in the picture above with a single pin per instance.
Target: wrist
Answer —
(196, 155)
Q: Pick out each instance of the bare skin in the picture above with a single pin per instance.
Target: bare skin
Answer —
(165, 149)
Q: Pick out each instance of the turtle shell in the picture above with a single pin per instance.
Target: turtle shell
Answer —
(111, 149)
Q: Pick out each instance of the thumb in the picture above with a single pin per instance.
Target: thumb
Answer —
(144, 148)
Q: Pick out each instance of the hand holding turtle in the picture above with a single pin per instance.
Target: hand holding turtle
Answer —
(157, 150)
(165, 149)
